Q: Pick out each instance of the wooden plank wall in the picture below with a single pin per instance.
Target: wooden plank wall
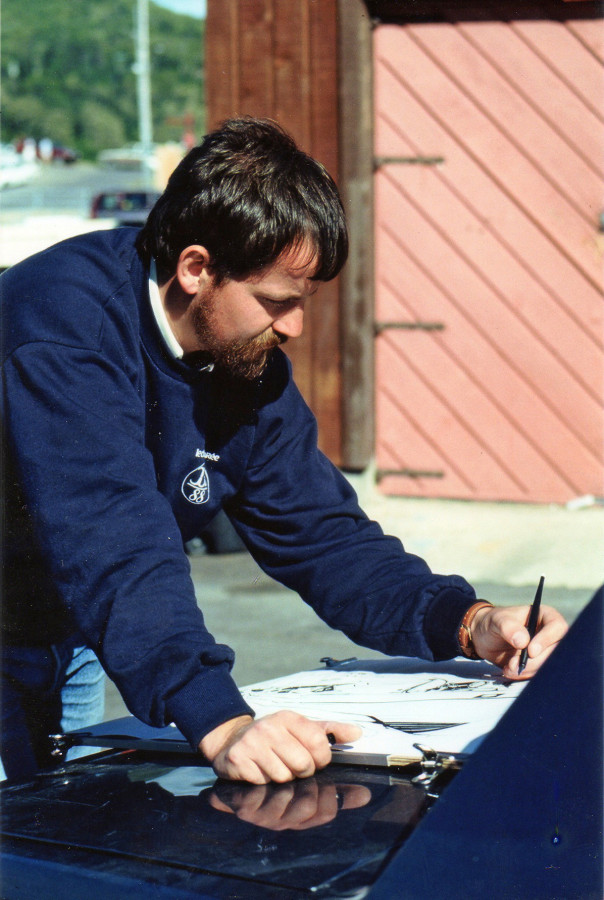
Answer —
(356, 187)
(279, 59)
(497, 246)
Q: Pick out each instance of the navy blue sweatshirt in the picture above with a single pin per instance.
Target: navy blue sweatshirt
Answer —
(115, 453)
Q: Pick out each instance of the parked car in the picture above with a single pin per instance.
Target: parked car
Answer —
(126, 207)
(135, 157)
(64, 154)
(45, 150)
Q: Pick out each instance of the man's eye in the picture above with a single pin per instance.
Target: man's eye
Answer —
(276, 303)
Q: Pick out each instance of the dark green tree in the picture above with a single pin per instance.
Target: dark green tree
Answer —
(67, 72)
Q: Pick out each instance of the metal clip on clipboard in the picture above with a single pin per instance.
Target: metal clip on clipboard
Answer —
(434, 767)
(60, 744)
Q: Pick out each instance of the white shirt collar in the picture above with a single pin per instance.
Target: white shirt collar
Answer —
(160, 314)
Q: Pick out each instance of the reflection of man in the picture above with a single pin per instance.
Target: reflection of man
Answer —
(135, 362)
(326, 834)
(297, 806)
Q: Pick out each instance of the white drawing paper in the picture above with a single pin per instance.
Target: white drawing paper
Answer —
(443, 707)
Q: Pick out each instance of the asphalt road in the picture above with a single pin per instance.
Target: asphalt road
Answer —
(56, 205)
(67, 188)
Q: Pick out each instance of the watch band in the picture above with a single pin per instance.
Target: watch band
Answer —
(464, 635)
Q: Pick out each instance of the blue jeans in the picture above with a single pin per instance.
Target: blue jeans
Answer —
(46, 690)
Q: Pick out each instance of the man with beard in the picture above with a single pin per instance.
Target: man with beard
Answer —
(144, 392)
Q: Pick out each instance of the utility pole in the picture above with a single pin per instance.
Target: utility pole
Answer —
(143, 79)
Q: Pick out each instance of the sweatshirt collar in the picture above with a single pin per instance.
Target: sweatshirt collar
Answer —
(160, 314)
(199, 360)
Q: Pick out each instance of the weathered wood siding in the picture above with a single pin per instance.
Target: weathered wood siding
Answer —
(489, 142)
(278, 59)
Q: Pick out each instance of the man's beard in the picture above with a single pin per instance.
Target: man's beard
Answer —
(242, 359)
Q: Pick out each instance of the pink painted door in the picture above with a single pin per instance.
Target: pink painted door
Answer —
(489, 141)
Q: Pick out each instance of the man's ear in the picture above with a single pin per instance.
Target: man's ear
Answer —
(192, 269)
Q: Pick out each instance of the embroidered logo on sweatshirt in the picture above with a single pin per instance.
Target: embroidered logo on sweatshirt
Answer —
(196, 486)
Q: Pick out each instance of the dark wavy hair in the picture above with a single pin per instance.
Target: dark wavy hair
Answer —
(247, 193)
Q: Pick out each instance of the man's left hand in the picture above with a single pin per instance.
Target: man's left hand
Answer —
(499, 634)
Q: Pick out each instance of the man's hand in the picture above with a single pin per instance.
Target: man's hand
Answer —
(279, 747)
(295, 806)
(499, 634)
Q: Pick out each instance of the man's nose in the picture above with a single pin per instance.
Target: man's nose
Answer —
(290, 323)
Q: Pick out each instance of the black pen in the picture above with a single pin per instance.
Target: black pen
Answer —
(531, 625)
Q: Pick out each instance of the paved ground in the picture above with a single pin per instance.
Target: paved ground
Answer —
(500, 548)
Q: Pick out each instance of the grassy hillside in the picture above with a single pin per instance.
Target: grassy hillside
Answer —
(67, 72)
